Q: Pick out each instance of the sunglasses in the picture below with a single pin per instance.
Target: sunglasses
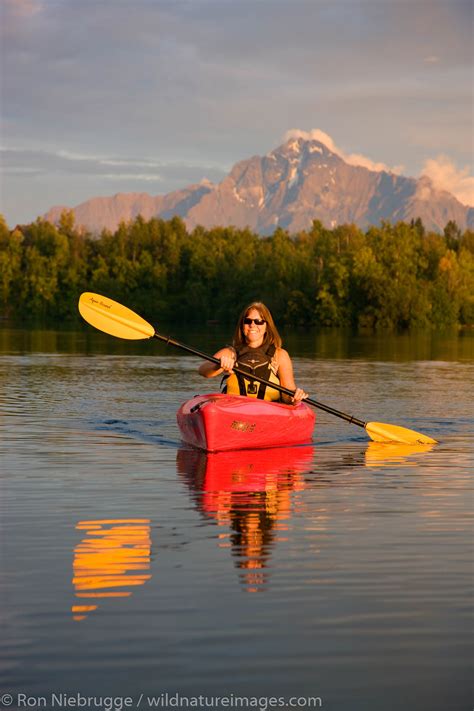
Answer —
(257, 321)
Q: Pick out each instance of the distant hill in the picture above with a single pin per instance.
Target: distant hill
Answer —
(298, 182)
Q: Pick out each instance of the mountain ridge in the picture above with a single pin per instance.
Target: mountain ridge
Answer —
(300, 181)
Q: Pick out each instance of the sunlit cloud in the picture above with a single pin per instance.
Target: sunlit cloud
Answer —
(446, 176)
(22, 8)
(357, 159)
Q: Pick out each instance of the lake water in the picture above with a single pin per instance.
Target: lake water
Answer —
(335, 576)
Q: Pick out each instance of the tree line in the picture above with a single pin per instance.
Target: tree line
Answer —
(390, 276)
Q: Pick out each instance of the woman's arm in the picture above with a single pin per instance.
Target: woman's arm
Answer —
(287, 380)
(227, 362)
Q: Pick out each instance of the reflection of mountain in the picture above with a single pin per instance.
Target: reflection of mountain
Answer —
(109, 561)
(249, 493)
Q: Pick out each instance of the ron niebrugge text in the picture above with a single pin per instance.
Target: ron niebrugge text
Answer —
(162, 701)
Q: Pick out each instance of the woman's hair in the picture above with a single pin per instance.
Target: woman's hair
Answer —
(271, 333)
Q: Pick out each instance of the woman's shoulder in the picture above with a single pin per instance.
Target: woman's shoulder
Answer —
(282, 358)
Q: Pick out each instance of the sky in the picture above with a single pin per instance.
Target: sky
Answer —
(100, 97)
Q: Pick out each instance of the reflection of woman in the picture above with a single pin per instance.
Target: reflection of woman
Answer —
(250, 493)
(252, 519)
(256, 349)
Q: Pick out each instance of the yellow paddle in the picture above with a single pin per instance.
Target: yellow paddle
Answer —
(117, 320)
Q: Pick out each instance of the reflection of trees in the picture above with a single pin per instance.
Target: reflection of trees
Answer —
(250, 493)
(109, 560)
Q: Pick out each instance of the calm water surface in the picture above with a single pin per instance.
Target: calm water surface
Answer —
(133, 565)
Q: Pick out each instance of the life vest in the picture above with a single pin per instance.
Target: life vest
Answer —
(254, 361)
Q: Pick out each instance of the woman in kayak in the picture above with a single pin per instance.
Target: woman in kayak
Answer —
(256, 349)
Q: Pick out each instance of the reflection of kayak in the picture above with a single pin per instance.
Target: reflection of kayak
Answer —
(219, 422)
(245, 471)
(233, 480)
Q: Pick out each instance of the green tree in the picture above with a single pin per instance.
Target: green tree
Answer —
(46, 254)
(11, 251)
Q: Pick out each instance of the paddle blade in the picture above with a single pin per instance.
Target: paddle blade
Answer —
(381, 432)
(113, 318)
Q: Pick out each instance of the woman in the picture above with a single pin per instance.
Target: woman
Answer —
(256, 349)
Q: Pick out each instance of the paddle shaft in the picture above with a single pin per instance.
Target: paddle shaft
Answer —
(275, 386)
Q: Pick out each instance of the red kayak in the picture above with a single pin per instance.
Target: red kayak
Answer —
(218, 422)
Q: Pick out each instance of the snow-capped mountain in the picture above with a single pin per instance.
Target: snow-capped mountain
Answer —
(298, 182)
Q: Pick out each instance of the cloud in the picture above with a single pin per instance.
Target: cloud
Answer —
(68, 164)
(22, 8)
(209, 83)
(446, 176)
(351, 158)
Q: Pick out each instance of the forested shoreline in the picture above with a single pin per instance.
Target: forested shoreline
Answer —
(387, 277)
